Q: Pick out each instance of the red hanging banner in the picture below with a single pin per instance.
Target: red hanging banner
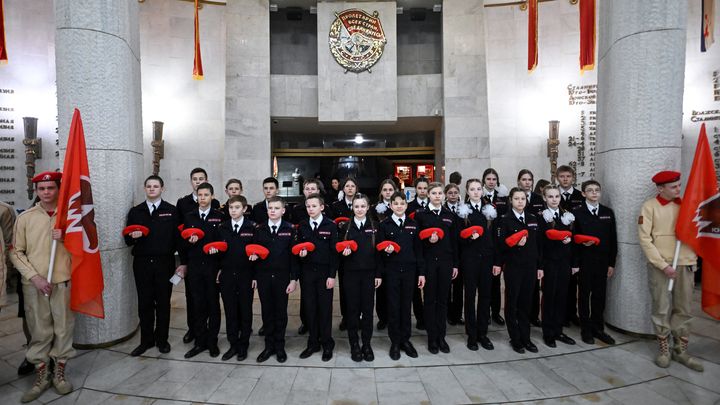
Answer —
(197, 63)
(532, 6)
(3, 44)
(587, 35)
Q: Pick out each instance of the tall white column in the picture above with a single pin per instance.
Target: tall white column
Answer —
(97, 56)
(640, 92)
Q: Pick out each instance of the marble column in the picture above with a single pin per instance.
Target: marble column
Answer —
(97, 54)
(247, 152)
(641, 64)
(466, 139)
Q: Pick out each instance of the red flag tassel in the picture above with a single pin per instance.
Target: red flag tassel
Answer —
(532, 35)
(197, 64)
(3, 44)
(587, 35)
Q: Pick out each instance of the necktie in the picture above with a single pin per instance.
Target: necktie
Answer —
(522, 219)
(237, 228)
(557, 216)
(437, 212)
(349, 206)
(400, 222)
(422, 204)
(152, 209)
(594, 211)
(566, 195)
(274, 229)
(361, 225)
(477, 207)
(315, 226)
(202, 216)
(453, 209)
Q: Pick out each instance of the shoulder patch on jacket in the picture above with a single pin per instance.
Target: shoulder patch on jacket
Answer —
(640, 220)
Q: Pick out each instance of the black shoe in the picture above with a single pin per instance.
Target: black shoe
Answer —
(433, 348)
(566, 339)
(26, 368)
(309, 352)
(261, 331)
(163, 347)
(141, 349)
(242, 354)
(264, 355)
(530, 346)
(472, 345)
(381, 325)
(327, 354)
(575, 321)
(188, 337)
(302, 329)
(395, 352)
(194, 351)
(343, 325)
(420, 325)
(281, 356)
(409, 349)
(367, 353)
(498, 319)
(536, 323)
(588, 339)
(355, 353)
(486, 343)
(452, 322)
(604, 337)
(549, 342)
(214, 350)
(460, 321)
(443, 346)
(518, 348)
(229, 354)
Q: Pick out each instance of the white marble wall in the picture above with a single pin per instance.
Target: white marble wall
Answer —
(357, 96)
(420, 95)
(639, 127)
(294, 96)
(98, 72)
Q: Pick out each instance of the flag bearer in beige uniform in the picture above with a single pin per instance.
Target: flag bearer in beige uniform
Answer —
(670, 310)
(47, 305)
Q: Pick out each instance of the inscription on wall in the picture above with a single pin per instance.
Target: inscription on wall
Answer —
(8, 145)
(584, 142)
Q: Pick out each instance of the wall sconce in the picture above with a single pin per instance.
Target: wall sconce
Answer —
(553, 147)
(33, 151)
(158, 146)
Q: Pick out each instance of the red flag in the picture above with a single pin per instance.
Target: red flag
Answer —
(3, 44)
(698, 224)
(707, 33)
(76, 217)
(532, 35)
(587, 35)
(197, 63)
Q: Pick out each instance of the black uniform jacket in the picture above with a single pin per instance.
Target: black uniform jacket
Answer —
(188, 203)
(280, 258)
(235, 259)
(325, 256)
(576, 200)
(446, 249)
(601, 226)
(194, 251)
(366, 257)
(527, 256)
(163, 238)
(411, 249)
(481, 248)
(555, 250)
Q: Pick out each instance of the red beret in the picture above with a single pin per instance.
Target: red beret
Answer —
(412, 215)
(468, 232)
(513, 239)
(340, 220)
(556, 234)
(260, 250)
(47, 176)
(187, 233)
(383, 245)
(309, 246)
(579, 239)
(667, 176)
(221, 246)
(342, 245)
(132, 228)
(426, 233)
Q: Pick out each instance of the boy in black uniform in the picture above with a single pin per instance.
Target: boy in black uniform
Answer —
(457, 292)
(153, 264)
(571, 199)
(419, 203)
(236, 276)
(184, 205)
(403, 271)
(276, 277)
(535, 205)
(595, 263)
(233, 187)
(319, 268)
(260, 210)
(200, 271)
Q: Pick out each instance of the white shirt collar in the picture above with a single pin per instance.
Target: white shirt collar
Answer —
(590, 206)
(206, 212)
(529, 195)
(359, 223)
(397, 218)
(239, 223)
(554, 210)
(473, 204)
(423, 201)
(150, 204)
(451, 205)
(488, 192)
(432, 207)
(570, 190)
(194, 196)
(522, 214)
(271, 223)
(319, 219)
(348, 202)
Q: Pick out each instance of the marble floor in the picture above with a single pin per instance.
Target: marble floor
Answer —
(583, 374)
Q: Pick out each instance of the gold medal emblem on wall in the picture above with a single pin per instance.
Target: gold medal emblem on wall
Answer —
(357, 40)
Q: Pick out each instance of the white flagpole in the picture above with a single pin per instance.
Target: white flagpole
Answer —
(52, 261)
(674, 264)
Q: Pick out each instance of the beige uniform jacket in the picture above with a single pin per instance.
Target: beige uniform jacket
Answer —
(656, 230)
(32, 244)
(7, 220)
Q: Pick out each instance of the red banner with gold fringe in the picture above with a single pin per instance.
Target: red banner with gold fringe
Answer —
(197, 63)
(532, 6)
(587, 35)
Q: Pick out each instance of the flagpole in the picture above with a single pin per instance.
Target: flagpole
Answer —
(52, 260)
(674, 264)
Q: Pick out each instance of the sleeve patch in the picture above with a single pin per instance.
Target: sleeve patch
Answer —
(640, 220)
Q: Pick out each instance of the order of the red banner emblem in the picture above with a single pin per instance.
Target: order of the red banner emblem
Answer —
(357, 40)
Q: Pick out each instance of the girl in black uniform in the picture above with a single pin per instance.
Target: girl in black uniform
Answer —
(455, 296)
(343, 208)
(535, 205)
(496, 194)
(382, 210)
(362, 277)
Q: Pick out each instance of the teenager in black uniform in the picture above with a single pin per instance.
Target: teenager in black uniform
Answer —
(441, 260)
(535, 205)
(276, 276)
(236, 277)
(403, 271)
(153, 264)
(556, 262)
(456, 293)
(522, 263)
(571, 199)
(200, 272)
(362, 277)
(476, 264)
(380, 211)
(595, 263)
(233, 187)
(343, 208)
(419, 203)
(319, 268)
(184, 205)
(270, 188)
(496, 194)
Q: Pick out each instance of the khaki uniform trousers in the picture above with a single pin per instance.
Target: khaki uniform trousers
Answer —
(51, 323)
(671, 309)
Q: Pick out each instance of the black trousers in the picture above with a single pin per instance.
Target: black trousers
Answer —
(359, 286)
(152, 281)
(417, 305)
(400, 287)
(535, 305)
(455, 298)
(189, 311)
(343, 301)
(571, 307)
(237, 295)
(591, 304)
(477, 276)
(381, 303)
(205, 292)
(271, 287)
(437, 287)
(318, 307)
(495, 295)
(519, 284)
(554, 285)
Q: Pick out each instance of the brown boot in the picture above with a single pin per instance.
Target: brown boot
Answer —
(42, 383)
(663, 357)
(62, 386)
(681, 355)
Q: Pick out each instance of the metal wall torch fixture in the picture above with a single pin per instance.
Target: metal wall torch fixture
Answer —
(158, 146)
(33, 151)
(553, 147)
